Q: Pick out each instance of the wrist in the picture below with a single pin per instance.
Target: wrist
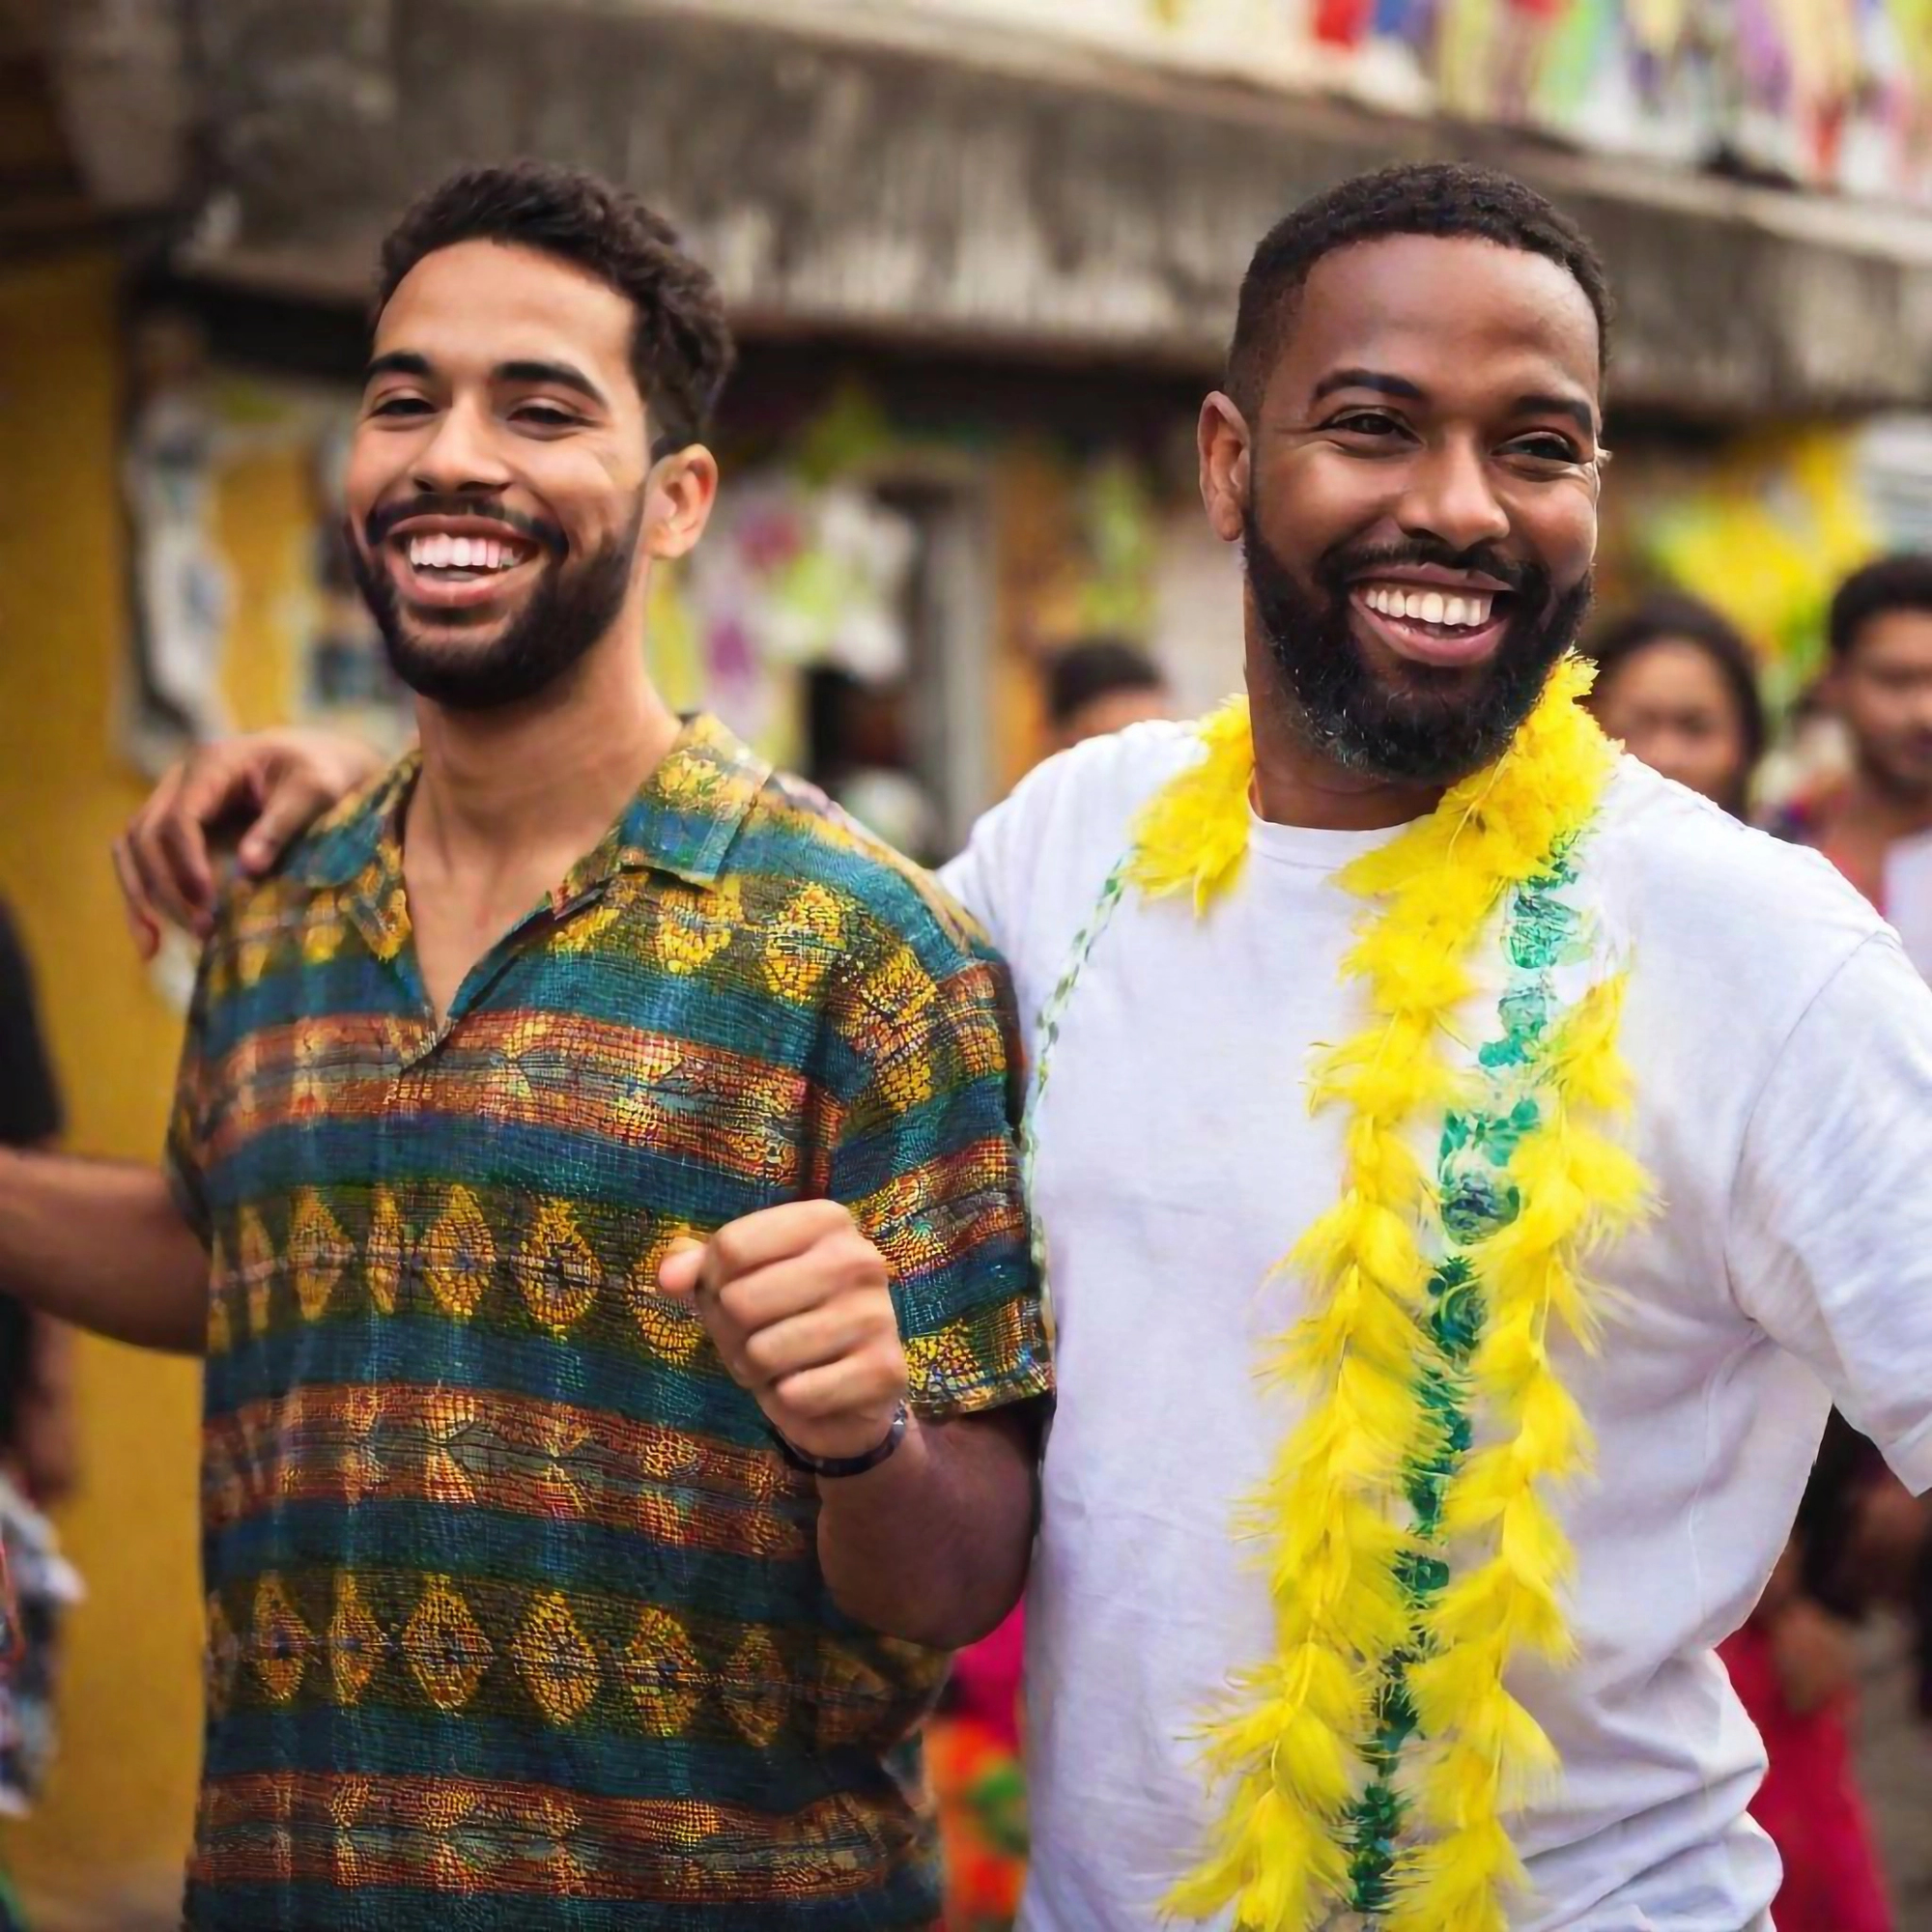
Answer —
(839, 1460)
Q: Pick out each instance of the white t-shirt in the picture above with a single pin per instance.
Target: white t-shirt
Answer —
(1782, 1049)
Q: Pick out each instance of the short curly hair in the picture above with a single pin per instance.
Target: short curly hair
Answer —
(1445, 198)
(1901, 582)
(681, 349)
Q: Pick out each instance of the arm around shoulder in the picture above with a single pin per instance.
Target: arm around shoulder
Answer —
(104, 1245)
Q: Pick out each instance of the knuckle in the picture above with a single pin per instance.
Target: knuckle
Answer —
(818, 1221)
(760, 1353)
(861, 1263)
(159, 851)
(809, 1398)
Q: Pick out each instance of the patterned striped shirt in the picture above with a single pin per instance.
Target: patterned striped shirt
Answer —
(513, 1608)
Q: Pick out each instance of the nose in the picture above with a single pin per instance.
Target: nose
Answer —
(1449, 497)
(461, 457)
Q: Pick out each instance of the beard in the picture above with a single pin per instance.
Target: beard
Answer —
(573, 605)
(1438, 726)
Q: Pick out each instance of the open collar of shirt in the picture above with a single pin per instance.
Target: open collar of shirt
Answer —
(683, 822)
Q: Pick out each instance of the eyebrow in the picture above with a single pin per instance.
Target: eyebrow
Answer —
(560, 373)
(397, 362)
(406, 363)
(1370, 378)
(1573, 406)
(1539, 403)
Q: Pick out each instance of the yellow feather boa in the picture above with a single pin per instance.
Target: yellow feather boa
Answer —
(1291, 1757)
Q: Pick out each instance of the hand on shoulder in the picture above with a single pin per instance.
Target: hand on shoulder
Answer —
(263, 791)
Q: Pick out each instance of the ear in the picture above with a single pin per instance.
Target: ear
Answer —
(1222, 439)
(678, 495)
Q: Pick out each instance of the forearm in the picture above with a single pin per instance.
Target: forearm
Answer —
(932, 1545)
(50, 1376)
(102, 1245)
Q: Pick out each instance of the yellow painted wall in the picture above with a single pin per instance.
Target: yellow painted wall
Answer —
(105, 1847)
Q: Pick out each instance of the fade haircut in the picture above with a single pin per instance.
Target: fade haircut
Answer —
(680, 348)
(1443, 198)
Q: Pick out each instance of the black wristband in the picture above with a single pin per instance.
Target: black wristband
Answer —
(844, 1465)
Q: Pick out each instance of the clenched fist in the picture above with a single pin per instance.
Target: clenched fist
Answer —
(799, 1305)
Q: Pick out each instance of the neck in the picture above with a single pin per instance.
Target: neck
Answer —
(1297, 785)
(543, 780)
(1879, 811)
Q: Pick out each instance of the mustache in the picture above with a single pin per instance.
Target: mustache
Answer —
(1344, 563)
(384, 519)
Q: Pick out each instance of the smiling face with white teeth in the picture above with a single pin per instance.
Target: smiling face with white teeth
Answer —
(1416, 494)
(503, 501)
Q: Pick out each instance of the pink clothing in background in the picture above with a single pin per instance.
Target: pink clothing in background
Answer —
(987, 1679)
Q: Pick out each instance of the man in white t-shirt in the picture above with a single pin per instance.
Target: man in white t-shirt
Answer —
(1408, 449)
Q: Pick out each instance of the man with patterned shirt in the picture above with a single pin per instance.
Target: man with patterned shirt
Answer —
(593, 1186)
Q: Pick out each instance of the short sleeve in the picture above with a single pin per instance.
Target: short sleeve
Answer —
(186, 1157)
(994, 877)
(30, 1109)
(1035, 864)
(1830, 1240)
(977, 876)
(928, 1162)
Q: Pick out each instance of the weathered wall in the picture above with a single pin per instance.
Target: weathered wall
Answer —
(981, 188)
